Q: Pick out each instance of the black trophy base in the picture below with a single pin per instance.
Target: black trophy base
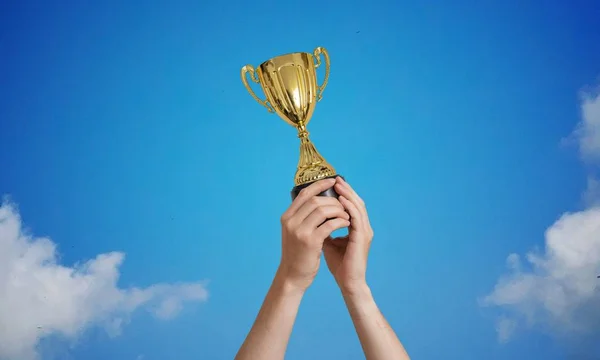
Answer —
(329, 192)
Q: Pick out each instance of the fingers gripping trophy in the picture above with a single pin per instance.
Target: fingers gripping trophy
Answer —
(289, 83)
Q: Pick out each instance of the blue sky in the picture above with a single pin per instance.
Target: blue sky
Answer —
(125, 127)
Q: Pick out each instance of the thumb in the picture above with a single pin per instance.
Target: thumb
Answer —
(327, 245)
(339, 242)
(330, 247)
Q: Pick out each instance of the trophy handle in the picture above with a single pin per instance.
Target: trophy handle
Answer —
(250, 69)
(318, 51)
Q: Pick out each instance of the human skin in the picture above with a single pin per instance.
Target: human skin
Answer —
(305, 236)
(346, 259)
(303, 231)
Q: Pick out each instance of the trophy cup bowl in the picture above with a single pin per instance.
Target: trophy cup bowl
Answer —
(289, 83)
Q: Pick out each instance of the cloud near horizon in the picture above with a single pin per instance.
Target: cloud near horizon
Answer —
(587, 131)
(557, 288)
(41, 297)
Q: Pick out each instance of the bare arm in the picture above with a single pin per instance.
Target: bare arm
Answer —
(378, 339)
(303, 231)
(271, 331)
(347, 260)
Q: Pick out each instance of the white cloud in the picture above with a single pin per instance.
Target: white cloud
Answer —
(591, 196)
(558, 289)
(505, 328)
(587, 132)
(40, 297)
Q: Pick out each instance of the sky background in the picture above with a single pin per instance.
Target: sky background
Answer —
(125, 127)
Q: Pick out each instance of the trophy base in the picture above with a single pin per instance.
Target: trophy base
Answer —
(329, 192)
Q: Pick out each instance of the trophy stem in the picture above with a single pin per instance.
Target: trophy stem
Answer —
(309, 156)
(312, 166)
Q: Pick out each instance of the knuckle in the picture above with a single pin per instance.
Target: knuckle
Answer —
(314, 200)
(287, 228)
(330, 225)
(297, 234)
(321, 212)
(333, 223)
(302, 235)
(284, 219)
(303, 192)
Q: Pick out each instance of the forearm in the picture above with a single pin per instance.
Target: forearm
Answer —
(271, 331)
(378, 339)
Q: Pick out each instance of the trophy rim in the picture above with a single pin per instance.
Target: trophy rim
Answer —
(284, 55)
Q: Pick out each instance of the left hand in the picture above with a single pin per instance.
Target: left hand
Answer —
(346, 256)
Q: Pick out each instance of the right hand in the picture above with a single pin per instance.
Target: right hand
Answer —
(304, 229)
(347, 256)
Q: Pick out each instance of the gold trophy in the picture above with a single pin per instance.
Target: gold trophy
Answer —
(290, 86)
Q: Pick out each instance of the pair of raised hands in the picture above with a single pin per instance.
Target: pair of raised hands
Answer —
(306, 232)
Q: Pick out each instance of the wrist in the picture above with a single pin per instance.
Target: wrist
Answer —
(358, 294)
(360, 301)
(355, 289)
(287, 285)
